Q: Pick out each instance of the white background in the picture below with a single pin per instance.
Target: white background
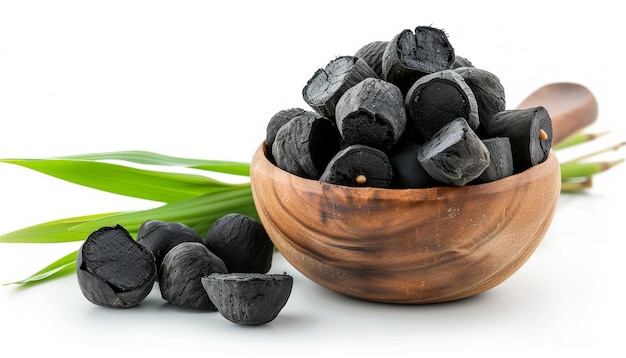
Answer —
(201, 79)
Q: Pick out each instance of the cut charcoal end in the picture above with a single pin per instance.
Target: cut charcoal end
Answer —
(500, 159)
(241, 242)
(455, 155)
(114, 270)
(359, 165)
(439, 98)
(181, 272)
(247, 298)
(327, 85)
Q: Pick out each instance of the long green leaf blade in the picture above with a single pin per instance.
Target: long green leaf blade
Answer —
(124, 180)
(151, 158)
(61, 267)
(52, 231)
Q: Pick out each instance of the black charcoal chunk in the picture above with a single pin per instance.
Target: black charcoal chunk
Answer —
(114, 270)
(182, 269)
(305, 144)
(530, 133)
(487, 89)
(460, 61)
(411, 55)
(454, 155)
(160, 237)
(278, 120)
(372, 53)
(248, 298)
(327, 85)
(371, 113)
(241, 242)
(359, 165)
(407, 170)
(500, 159)
(439, 98)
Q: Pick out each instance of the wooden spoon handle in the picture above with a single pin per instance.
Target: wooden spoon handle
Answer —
(571, 106)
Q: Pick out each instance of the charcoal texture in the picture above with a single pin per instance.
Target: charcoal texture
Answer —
(373, 53)
(500, 159)
(279, 119)
(248, 298)
(357, 162)
(487, 89)
(407, 170)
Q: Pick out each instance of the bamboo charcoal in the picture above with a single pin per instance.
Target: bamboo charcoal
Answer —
(327, 85)
(454, 155)
(530, 133)
(279, 119)
(500, 159)
(359, 165)
(487, 90)
(437, 99)
(371, 113)
(409, 56)
(372, 53)
(407, 170)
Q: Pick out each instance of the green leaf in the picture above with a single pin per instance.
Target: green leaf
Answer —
(61, 267)
(151, 158)
(124, 180)
(52, 231)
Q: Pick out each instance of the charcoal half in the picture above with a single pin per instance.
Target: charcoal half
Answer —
(249, 298)
(114, 270)
(359, 165)
(181, 273)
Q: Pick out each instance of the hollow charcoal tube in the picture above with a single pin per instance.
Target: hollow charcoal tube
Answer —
(305, 145)
(530, 133)
(455, 155)
(411, 55)
(487, 89)
(372, 53)
(359, 165)
(371, 113)
(437, 99)
(327, 85)
(500, 159)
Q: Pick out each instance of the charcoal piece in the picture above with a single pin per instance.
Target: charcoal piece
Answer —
(437, 99)
(500, 159)
(304, 145)
(411, 55)
(372, 53)
(487, 89)
(160, 237)
(407, 170)
(278, 120)
(241, 242)
(249, 298)
(460, 61)
(371, 113)
(181, 272)
(530, 133)
(114, 270)
(454, 155)
(327, 85)
(359, 165)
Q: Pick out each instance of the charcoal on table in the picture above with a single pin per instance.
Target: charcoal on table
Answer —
(305, 144)
(114, 270)
(371, 113)
(241, 242)
(326, 86)
(455, 155)
(530, 133)
(181, 272)
(359, 165)
(437, 99)
(248, 298)
(500, 159)
(372, 53)
(411, 55)
(407, 170)
(487, 89)
(161, 236)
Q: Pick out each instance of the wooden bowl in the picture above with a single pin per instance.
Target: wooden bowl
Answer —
(410, 246)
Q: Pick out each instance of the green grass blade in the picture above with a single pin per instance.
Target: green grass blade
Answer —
(124, 180)
(151, 158)
(64, 266)
(52, 231)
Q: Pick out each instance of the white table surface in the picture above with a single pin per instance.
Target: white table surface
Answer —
(201, 79)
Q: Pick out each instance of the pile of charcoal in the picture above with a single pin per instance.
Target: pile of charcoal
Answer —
(407, 113)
